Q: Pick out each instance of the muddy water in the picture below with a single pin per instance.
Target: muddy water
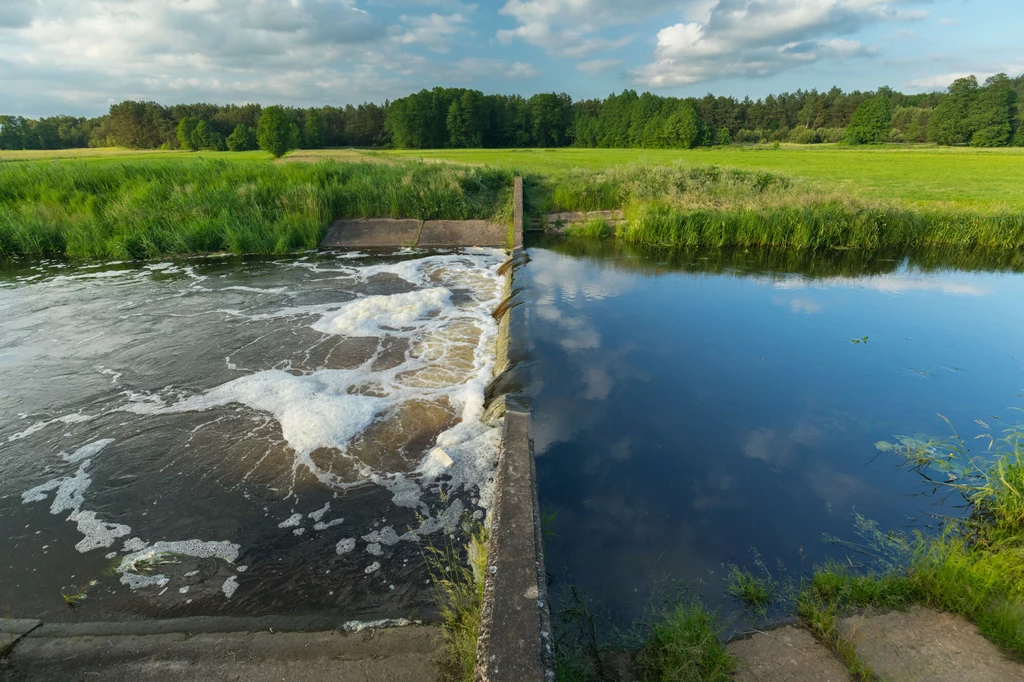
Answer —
(693, 408)
(227, 437)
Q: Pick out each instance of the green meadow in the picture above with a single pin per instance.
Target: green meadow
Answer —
(119, 203)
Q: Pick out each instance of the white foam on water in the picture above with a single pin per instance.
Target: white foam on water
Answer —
(378, 316)
(88, 450)
(256, 290)
(230, 586)
(291, 522)
(136, 568)
(69, 496)
(324, 525)
(345, 546)
(73, 418)
(318, 515)
(328, 408)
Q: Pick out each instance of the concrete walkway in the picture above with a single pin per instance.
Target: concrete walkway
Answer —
(405, 654)
(918, 645)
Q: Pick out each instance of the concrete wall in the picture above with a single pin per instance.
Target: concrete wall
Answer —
(555, 223)
(515, 643)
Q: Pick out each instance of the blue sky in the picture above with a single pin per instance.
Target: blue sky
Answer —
(78, 56)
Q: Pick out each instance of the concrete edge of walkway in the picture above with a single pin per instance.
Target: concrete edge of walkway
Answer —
(515, 642)
(207, 624)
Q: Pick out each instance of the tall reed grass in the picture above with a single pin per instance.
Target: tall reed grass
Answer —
(808, 223)
(145, 209)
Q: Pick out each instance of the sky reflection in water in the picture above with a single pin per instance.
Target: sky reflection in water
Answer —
(687, 413)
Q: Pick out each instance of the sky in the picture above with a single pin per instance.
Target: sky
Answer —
(79, 56)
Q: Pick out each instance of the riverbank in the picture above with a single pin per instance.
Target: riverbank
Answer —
(151, 207)
(148, 209)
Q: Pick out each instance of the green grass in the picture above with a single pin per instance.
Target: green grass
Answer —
(757, 592)
(921, 176)
(987, 180)
(810, 223)
(685, 644)
(120, 204)
(146, 209)
(974, 568)
(459, 594)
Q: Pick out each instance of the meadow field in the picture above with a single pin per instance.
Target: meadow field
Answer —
(982, 179)
(122, 203)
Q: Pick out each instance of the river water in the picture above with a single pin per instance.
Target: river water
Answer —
(693, 408)
(219, 436)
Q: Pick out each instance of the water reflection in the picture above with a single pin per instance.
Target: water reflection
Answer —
(692, 405)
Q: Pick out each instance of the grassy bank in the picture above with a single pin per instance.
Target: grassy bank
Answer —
(175, 203)
(458, 578)
(678, 206)
(988, 181)
(146, 209)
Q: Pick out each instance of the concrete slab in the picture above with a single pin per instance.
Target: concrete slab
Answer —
(515, 633)
(785, 654)
(13, 629)
(921, 644)
(369, 233)
(441, 233)
(393, 655)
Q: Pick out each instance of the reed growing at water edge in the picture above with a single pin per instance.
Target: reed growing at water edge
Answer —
(974, 567)
(147, 209)
(679, 206)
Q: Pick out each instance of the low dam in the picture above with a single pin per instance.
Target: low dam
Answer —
(276, 456)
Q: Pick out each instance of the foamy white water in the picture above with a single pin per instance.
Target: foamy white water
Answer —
(201, 416)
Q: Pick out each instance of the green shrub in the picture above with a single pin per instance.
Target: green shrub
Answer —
(276, 132)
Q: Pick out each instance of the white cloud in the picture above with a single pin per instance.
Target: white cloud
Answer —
(57, 55)
(598, 65)
(572, 27)
(433, 31)
(940, 81)
(757, 38)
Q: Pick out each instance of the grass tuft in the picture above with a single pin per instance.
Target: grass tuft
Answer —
(974, 568)
(684, 644)
(459, 595)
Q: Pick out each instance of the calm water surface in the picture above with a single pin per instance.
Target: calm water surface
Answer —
(690, 409)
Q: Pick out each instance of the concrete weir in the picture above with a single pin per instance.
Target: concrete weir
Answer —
(385, 232)
(515, 633)
(515, 636)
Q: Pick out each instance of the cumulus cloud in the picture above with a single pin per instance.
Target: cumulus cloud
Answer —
(433, 31)
(72, 56)
(757, 38)
(572, 27)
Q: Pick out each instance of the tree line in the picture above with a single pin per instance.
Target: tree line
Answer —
(985, 114)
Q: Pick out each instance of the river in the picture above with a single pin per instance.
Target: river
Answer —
(694, 410)
(226, 436)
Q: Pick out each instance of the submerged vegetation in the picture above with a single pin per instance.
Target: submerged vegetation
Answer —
(974, 568)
